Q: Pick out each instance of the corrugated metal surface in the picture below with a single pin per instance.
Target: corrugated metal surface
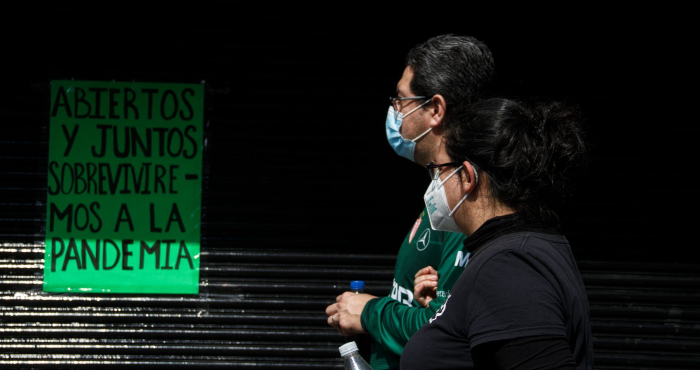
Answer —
(645, 315)
(256, 309)
(265, 310)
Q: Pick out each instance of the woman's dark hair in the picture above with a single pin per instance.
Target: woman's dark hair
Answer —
(529, 153)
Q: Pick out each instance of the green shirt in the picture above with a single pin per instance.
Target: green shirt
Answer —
(390, 321)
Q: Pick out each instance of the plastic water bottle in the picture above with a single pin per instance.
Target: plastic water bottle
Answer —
(351, 357)
(357, 286)
(362, 341)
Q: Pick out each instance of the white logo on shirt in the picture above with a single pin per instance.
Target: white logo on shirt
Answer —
(423, 241)
(441, 310)
(462, 261)
(398, 292)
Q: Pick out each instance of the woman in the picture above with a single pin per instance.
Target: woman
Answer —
(521, 302)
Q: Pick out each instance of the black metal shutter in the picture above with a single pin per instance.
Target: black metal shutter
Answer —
(263, 310)
(644, 315)
(256, 309)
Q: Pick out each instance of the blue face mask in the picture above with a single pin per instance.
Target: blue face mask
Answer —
(401, 146)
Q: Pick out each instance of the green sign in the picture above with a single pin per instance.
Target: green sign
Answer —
(124, 187)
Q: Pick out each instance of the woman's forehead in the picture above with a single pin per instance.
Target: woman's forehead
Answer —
(441, 155)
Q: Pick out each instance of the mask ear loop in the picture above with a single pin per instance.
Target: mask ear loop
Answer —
(442, 182)
(476, 180)
(421, 135)
(416, 108)
(413, 110)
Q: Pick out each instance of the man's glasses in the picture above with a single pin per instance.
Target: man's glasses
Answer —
(396, 102)
(434, 168)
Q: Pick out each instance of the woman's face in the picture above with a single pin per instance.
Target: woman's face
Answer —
(453, 184)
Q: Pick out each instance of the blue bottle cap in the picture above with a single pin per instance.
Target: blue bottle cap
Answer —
(357, 285)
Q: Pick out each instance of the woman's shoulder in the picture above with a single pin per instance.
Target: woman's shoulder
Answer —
(523, 246)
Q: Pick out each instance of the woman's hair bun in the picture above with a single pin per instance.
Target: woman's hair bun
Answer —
(529, 151)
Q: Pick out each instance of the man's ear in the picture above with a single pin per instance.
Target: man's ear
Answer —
(437, 110)
(469, 178)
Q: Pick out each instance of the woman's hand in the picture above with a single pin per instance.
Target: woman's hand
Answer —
(425, 285)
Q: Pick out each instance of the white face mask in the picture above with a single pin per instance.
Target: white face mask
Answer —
(401, 146)
(439, 211)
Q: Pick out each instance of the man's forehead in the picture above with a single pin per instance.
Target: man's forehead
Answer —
(441, 154)
(403, 87)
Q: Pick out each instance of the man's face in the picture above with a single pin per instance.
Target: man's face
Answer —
(417, 122)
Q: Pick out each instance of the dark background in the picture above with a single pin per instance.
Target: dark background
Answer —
(298, 97)
(302, 193)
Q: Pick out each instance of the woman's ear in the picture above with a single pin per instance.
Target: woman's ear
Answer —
(437, 110)
(470, 178)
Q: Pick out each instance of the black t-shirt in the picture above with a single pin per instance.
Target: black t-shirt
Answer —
(518, 283)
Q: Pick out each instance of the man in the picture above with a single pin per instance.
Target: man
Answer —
(442, 75)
